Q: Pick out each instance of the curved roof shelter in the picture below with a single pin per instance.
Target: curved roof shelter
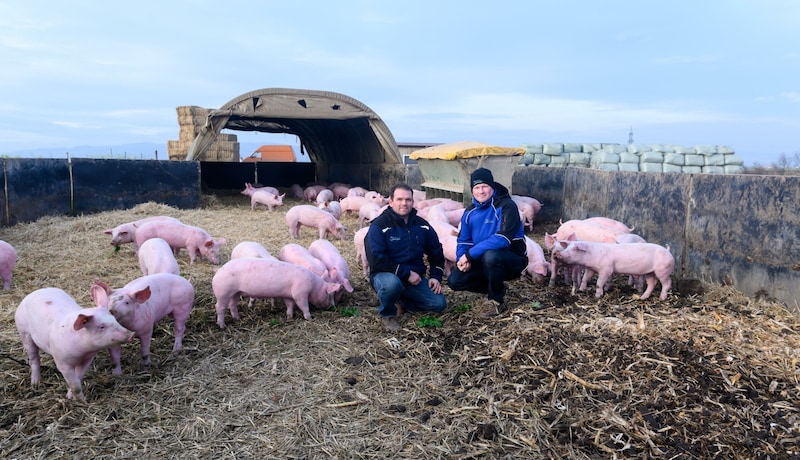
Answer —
(332, 127)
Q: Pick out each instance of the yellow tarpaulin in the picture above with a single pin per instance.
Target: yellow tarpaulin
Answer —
(465, 149)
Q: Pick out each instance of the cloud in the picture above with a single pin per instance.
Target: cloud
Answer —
(791, 96)
(671, 60)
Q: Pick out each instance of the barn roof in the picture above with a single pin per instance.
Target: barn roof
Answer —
(332, 127)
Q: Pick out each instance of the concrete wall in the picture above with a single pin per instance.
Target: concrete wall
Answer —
(742, 230)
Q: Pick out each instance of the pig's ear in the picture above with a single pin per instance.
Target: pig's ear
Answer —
(142, 295)
(281, 197)
(540, 269)
(581, 246)
(109, 231)
(572, 237)
(347, 286)
(81, 321)
(221, 241)
(333, 287)
(563, 244)
(99, 294)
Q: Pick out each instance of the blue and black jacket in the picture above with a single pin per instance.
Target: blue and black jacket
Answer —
(494, 224)
(396, 247)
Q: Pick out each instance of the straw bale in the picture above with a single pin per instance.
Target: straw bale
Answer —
(706, 373)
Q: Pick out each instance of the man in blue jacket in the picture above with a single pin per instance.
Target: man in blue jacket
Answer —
(491, 243)
(396, 244)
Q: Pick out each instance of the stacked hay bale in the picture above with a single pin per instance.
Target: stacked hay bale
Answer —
(190, 121)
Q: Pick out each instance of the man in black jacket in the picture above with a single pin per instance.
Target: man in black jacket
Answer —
(396, 244)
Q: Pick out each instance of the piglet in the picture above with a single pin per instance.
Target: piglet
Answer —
(251, 249)
(649, 260)
(338, 270)
(324, 195)
(334, 208)
(298, 255)
(269, 279)
(48, 319)
(368, 212)
(8, 258)
(155, 256)
(538, 267)
(361, 253)
(142, 303)
(126, 233)
(311, 216)
(196, 240)
(266, 198)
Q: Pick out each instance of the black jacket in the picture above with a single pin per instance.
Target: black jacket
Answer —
(396, 247)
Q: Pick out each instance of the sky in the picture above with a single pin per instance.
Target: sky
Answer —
(684, 72)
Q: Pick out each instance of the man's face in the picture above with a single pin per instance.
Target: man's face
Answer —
(482, 192)
(402, 202)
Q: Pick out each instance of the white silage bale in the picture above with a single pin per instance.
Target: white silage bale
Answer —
(733, 160)
(591, 147)
(607, 166)
(711, 169)
(527, 159)
(630, 167)
(573, 148)
(542, 159)
(605, 156)
(636, 148)
(694, 160)
(725, 149)
(692, 169)
(651, 167)
(734, 169)
(553, 149)
(674, 159)
(557, 161)
(715, 160)
(684, 149)
(671, 168)
(616, 148)
(626, 157)
(533, 148)
(705, 149)
(579, 159)
(651, 157)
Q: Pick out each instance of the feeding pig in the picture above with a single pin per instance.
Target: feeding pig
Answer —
(250, 249)
(297, 191)
(265, 279)
(125, 233)
(298, 255)
(357, 191)
(196, 240)
(361, 253)
(338, 270)
(142, 303)
(334, 208)
(572, 272)
(156, 256)
(537, 265)
(324, 195)
(311, 216)
(8, 258)
(48, 319)
(649, 260)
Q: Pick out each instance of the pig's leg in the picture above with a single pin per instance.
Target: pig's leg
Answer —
(322, 232)
(73, 377)
(220, 308)
(33, 358)
(115, 352)
(587, 275)
(145, 348)
(303, 304)
(233, 306)
(289, 308)
(602, 278)
(666, 285)
(651, 284)
(180, 330)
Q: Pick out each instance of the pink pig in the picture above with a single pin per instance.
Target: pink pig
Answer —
(125, 233)
(449, 244)
(368, 212)
(324, 195)
(249, 189)
(352, 204)
(611, 224)
(311, 216)
(584, 230)
(268, 199)
(250, 249)
(196, 240)
(647, 259)
(155, 256)
(338, 270)
(572, 272)
(537, 267)
(265, 279)
(295, 254)
(50, 320)
(142, 303)
(8, 258)
(334, 208)
(361, 253)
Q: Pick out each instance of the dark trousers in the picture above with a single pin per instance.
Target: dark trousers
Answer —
(488, 273)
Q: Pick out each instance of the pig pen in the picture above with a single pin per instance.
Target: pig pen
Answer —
(706, 373)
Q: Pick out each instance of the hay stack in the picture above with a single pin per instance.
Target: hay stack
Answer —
(190, 121)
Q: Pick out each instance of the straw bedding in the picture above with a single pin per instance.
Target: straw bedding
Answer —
(706, 373)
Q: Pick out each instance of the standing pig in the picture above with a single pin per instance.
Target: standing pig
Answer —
(295, 254)
(311, 216)
(250, 249)
(50, 320)
(584, 230)
(368, 212)
(125, 233)
(334, 208)
(338, 270)
(268, 199)
(537, 265)
(8, 258)
(269, 279)
(142, 303)
(647, 259)
(155, 256)
(196, 240)
(324, 195)
(361, 253)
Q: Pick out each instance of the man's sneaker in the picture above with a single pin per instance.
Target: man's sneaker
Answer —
(490, 308)
(390, 323)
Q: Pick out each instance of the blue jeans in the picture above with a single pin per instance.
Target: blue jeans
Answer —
(488, 273)
(417, 298)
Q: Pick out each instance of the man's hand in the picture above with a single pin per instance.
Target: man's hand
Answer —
(414, 278)
(463, 264)
(435, 285)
